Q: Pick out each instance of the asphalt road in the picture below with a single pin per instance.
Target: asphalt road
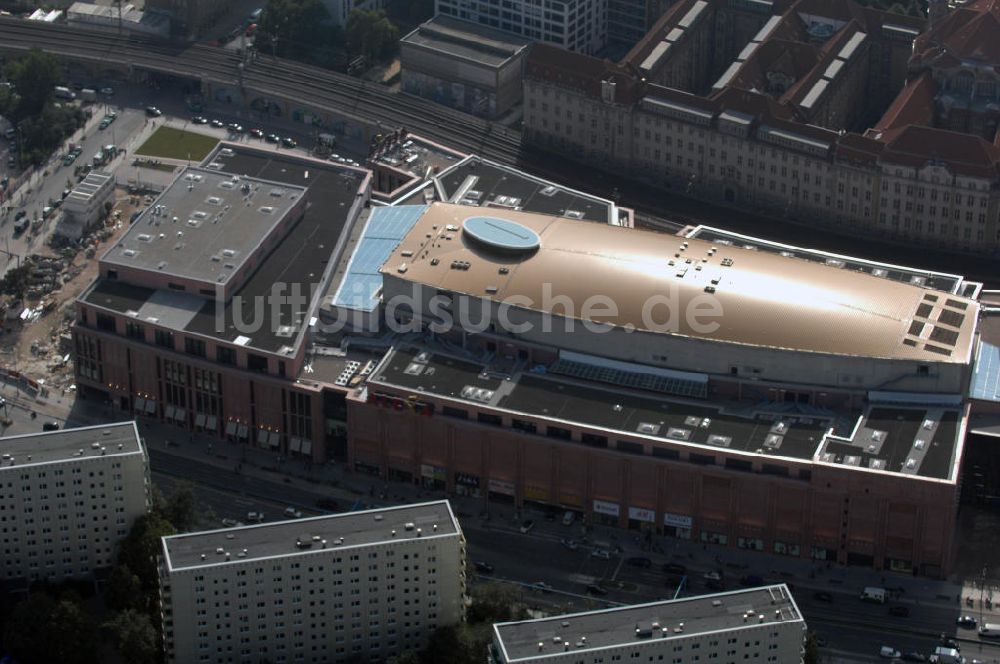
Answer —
(853, 630)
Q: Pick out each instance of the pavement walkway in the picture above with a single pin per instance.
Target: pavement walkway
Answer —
(332, 480)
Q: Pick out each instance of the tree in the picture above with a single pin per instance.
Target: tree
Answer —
(35, 77)
(811, 655)
(42, 630)
(123, 590)
(495, 602)
(15, 281)
(133, 636)
(179, 509)
(301, 30)
(139, 549)
(371, 34)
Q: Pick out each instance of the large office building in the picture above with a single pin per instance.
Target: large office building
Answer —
(463, 65)
(824, 112)
(326, 589)
(577, 25)
(761, 625)
(67, 498)
(479, 331)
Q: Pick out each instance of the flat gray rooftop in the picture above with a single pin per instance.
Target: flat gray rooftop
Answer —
(465, 40)
(69, 444)
(281, 538)
(883, 438)
(479, 182)
(205, 225)
(298, 258)
(659, 620)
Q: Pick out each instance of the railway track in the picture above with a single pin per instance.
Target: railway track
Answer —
(296, 83)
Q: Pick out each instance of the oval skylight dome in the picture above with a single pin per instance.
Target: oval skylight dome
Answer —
(502, 234)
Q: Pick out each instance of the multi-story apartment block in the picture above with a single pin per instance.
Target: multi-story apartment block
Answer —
(67, 498)
(325, 589)
(577, 25)
(759, 625)
(779, 107)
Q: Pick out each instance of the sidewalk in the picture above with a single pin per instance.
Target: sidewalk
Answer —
(334, 481)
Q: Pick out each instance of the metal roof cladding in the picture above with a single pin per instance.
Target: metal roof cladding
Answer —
(502, 234)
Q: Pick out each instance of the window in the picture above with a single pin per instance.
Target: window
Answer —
(455, 412)
(489, 418)
(666, 453)
(523, 425)
(134, 331)
(194, 346)
(164, 338)
(256, 363)
(105, 322)
(225, 355)
(558, 432)
(703, 459)
(630, 447)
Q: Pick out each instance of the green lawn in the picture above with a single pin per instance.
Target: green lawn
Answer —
(170, 143)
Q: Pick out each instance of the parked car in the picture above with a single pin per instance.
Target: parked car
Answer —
(674, 568)
(257, 132)
(888, 652)
(288, 142)
(603, 554)
(153, 112)
(255, 517)
(526, 526)
(595, 589)
(484, 567)
(107, 92)
(899, 611)
(541, 585)
(639, 561)
(229, 523)
(218, 124)
(949, 642)
(272, 138)
(50, 426)
(199, 120)
(966, 622)
(293, 513)
(327, 504)
(570, 544)
(914, 657)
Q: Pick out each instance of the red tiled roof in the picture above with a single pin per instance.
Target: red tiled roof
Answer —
(964, 154)
(656, 34)
(971, 32)
(858, 148)
(798, 57)
(914, 105)
(580, 72)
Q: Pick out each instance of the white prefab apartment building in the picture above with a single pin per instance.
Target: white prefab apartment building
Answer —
(67, 498)
(576, 25)
(323, 589)
(756, 625)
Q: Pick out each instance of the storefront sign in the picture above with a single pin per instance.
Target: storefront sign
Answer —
(466, 479)
(605, 507)
(677, 520)
(433, 472)
(499, 486)
(642, 514)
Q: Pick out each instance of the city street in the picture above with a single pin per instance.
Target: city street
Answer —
(231, 481)
(853, 630)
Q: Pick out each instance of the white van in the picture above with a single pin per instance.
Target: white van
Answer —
(888, 652)
(872, 594)
(568, 518)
